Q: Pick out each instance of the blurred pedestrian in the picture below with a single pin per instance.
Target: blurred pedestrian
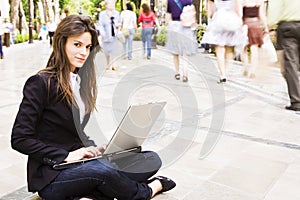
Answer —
(43, 33)
(66, 13)
(181, 40)
(49, 128)
(1, 34)
(9, 30)
(254, 17)
(51, 27)
(147, 19)
(223, 31)
(285, 14)
(109, 23)
(128, 27)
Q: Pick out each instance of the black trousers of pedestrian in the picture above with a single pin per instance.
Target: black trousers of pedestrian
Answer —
(289, 41)
(51, 33)
(1, 48)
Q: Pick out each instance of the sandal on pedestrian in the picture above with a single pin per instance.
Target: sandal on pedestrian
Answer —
(177, 76)
(185, 79)
(167, 184)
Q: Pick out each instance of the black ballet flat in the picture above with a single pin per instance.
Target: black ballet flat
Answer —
(167, 184)
(223, 80)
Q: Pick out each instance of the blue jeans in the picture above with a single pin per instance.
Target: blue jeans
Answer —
(147, 40)
(124, 179)
(127, 46)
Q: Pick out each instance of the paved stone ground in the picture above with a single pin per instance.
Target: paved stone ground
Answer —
(256, 142)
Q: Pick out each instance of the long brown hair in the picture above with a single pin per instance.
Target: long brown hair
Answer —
(146, 9)
(58, 65)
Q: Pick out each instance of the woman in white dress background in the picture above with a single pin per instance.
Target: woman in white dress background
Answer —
(220, 36)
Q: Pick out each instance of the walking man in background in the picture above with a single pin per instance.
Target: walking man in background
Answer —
(51, 27)
(285, 13)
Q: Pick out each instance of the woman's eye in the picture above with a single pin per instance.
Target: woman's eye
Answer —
(89, 46)
(77, 44)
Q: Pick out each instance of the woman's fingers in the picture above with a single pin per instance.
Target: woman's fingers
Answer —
(94, 151)
(102, 148)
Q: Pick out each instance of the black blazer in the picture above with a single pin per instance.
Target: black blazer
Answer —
(45, 129)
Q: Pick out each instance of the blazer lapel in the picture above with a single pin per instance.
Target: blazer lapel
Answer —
(76, 117)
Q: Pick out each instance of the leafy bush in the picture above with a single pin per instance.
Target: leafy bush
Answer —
(138, 35)
(200, 30)
(35, 35)
(161, 37)
(25, 37)
(163, 30)
(22, 38)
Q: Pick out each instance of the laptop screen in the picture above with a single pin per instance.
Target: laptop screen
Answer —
(135, 126)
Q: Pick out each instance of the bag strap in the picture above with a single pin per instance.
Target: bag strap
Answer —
(179, 4)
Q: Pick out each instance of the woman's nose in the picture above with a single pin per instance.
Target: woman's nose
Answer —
(83, 51)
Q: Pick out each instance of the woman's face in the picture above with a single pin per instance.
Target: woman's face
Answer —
(110, 4)
(78, 49)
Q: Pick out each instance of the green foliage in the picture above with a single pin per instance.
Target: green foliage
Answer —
(199, 32)
(138, 35)
(63, 4)
(25, 37)
(25, 7)
(88, 7)
(163, 30)
(22, 38)
(118, 6)
(35, 36)
(161, 37)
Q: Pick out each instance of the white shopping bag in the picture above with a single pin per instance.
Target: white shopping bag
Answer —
(268, 49)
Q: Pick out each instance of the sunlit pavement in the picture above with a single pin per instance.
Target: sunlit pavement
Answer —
(231, 141)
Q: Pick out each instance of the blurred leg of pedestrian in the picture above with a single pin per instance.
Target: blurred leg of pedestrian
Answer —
(130, 40)
(125, 50)
(253, 60)
(245, 61)
(181, 42)
(185, 71)
(50, 33)
(224, 55)
(1, 48)
(220, 53)
(149, 41)
(144, 42)
(146, 38)
(290, 42)
(109, 65)
(255, 39)
(176, 64)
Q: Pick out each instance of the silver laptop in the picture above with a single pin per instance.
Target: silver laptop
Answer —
(129, 136)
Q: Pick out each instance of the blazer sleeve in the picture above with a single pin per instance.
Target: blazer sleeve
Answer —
(24, 137)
